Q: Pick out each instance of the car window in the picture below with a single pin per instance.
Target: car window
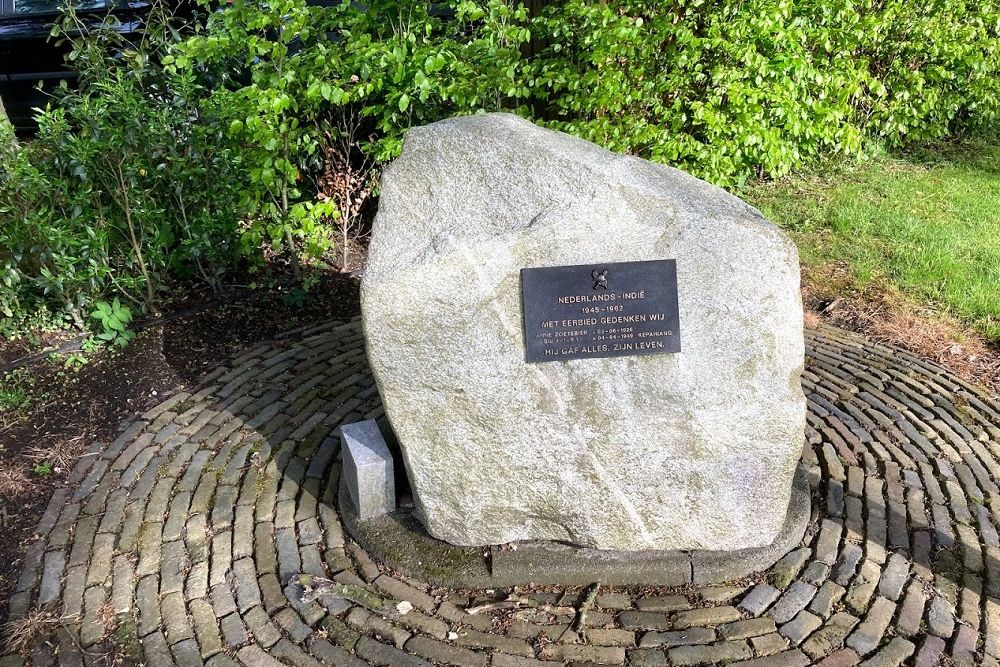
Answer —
(26, 7)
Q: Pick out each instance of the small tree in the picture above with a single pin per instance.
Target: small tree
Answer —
(349, 177)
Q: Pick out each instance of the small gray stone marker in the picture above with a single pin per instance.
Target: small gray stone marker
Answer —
(368, 470)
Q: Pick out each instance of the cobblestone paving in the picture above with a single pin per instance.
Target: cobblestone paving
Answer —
(184, 531)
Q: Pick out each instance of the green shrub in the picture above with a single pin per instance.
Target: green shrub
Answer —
(206, 148)
(120, 191)
(310, 75)
(114, 319)
(731, 89)
(197, 150)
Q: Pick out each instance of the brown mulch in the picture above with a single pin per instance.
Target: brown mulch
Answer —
(883, 316)
(76, 408)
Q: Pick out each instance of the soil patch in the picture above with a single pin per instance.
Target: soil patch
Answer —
(884, 316)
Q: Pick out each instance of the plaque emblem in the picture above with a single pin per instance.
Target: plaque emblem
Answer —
(600, 279)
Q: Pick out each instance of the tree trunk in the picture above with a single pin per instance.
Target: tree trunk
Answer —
(531, 49)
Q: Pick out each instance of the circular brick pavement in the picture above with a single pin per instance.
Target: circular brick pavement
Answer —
(175, 541)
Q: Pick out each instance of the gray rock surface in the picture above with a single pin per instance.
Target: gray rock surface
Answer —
(694, 450)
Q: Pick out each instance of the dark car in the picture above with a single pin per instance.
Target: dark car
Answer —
(32, 62)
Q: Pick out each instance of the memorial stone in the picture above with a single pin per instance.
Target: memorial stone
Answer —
(580, 346)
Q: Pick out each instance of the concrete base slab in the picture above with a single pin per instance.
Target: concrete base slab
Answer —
(555, 563)
(400, 541)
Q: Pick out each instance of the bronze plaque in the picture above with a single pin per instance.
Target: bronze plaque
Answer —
(600, 310)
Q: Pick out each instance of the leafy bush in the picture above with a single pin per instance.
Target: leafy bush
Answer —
(731, 89)
(310, 75)
(119, 192)
(114, 319)
(250, 137)
(195, 151)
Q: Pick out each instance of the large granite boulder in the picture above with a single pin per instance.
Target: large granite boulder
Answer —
(693, 450)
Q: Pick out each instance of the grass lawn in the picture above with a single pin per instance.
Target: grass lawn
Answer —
(924, 223)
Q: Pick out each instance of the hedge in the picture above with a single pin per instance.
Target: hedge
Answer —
(233, 142)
